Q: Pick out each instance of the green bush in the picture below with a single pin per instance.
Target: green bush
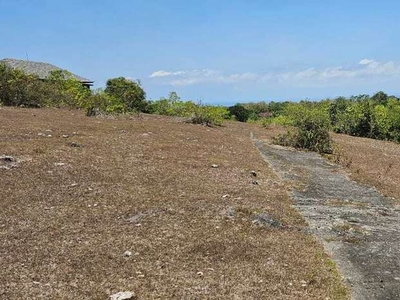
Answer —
(194, 113)
(239, 112)
(59, 90)
(281, 120)
(208, 115)
(310, 131)
(127, 93)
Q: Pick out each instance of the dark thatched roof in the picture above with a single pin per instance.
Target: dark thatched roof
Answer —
(40, 69)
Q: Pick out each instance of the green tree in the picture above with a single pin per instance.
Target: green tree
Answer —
(240, 112)
(380, 98)
(130, 93)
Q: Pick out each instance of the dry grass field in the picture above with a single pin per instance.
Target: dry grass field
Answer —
(372, 162)
(79, 192)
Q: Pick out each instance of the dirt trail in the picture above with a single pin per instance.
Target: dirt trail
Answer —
(358, 226)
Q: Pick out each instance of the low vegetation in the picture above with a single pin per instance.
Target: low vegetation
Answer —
(120, 96)
(309, 123)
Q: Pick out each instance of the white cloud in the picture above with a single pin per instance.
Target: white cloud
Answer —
(163, 73)
(366, 61)
(366, 68)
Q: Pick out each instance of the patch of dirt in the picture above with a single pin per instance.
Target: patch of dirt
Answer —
(359, 227)
(138, 208)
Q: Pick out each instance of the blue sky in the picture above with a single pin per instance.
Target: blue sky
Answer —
(217, 51)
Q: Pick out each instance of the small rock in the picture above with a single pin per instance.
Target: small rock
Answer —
(229, 212)
(303, 283)
(75, 145)
(253, 173)
(255, 182)
(127, 253)
(7, 158)
(65, 136)
(59, 164)
(123, 296)
(264, 219)
(214, 166)
(200, 273)
(49, 135)
(225, 196)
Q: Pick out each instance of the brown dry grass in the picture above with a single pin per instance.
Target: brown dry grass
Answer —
(64, 228)
(372, 162)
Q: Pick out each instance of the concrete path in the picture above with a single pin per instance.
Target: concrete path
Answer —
(359, 227)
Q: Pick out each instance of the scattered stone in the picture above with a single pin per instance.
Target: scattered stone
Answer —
(41, 134)
(255, 182)
(225, 196)
(214, 166)
(75, 145)
(60, 164)
(122, 296)
(303, 283)
(7, 158)
(8, 162)
(136, 218)
(253, 173)
(65, 136)
(201, 274)
(49, 135)
(264, 219)
(74, 184)
(229, 212)
(127, 253)
(95, 205)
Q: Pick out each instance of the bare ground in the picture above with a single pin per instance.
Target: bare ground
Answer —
(79, 192)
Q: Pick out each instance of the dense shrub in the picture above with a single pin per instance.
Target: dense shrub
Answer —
(311, 128)
(127, 93)
(239, 112)
(194, 113)
(208, 115)
(59, 90)
(375, 117)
